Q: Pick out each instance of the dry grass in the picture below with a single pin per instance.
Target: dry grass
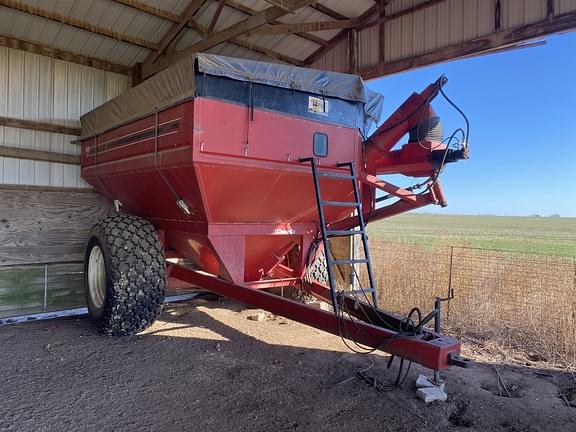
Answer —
(516, 300)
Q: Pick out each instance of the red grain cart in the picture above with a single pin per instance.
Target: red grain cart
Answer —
(233, 175)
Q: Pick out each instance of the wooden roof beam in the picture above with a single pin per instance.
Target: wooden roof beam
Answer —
(287, 5)
(305, 27)
(328, 12)
(343, 34)
(215, 17)
(251, 23)
(249, 11)
(144, 7)
(150, 10)
(175, 30)
(267, 52)
(77, 23)
(374, 18)
(53, 52)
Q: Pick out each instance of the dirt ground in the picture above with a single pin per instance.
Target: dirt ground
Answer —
(205, 367)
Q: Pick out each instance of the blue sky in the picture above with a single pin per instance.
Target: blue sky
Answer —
(522, 109)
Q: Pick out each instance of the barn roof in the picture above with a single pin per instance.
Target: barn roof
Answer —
(369, 37)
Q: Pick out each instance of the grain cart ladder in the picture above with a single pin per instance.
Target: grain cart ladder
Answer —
(188, 154)
(358, 230)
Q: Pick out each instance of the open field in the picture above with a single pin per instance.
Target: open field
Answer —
(515, 300)
(203, 366)
(543, 235)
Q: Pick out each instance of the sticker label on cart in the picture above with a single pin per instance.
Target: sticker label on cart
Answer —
(280, 231)
(317, 105)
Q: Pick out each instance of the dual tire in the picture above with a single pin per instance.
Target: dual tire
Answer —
(124, 275)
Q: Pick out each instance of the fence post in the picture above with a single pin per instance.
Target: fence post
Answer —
(45, 285)
(450, 291)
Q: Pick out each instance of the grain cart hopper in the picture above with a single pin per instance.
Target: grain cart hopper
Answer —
(232, 175)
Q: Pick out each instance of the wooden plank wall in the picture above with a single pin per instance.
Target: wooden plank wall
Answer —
(39, 226)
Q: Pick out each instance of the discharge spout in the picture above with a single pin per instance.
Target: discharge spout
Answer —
(426, 150)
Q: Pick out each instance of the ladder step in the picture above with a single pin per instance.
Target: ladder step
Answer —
(336, 175)
(349, 261)
(343, 233)
(340, 203)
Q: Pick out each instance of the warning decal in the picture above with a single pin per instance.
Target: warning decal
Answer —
(317, 105)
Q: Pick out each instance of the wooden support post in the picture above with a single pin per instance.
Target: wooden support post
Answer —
(352, 50)
(381, 35)
(550, 9)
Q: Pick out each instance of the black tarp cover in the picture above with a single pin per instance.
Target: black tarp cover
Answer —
(177, 83)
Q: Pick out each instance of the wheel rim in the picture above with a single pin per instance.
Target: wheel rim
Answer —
(97, 277)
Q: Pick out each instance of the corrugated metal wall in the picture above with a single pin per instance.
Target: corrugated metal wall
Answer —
(444, 24)
(34, 87)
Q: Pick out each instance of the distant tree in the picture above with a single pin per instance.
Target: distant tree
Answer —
(535, 215)
(555, 215)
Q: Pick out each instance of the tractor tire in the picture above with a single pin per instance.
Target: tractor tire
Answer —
(317, 270)
(124, 275)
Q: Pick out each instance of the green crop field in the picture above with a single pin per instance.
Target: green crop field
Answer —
(544, 235)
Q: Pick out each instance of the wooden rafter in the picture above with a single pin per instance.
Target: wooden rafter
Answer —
(305, 27)
(265, 51)
(242, 27)
(342, 35)
(144, 7)
(175, 30)
(373, 18)
(249, 11)
(150, 10)
(77, 23)
(284, 4)
(53, 52)
(328, 12)
(215, 17)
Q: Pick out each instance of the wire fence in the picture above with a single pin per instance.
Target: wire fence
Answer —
(519, 300)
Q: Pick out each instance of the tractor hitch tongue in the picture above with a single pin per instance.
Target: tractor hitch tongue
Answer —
(235, 176)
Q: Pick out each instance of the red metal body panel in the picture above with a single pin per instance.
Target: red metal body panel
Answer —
(225, 182)
(250, 199)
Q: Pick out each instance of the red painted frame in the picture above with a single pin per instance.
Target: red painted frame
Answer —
(429, 350)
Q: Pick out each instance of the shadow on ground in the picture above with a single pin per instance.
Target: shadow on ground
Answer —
(204, 366)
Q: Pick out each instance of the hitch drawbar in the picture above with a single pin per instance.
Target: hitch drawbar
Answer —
(459, 361)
